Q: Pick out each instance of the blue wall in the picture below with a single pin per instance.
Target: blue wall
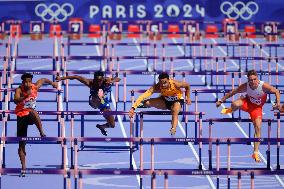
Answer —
(130, 10)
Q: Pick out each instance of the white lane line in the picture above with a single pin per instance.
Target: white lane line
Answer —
(120, 121)
(140, 51)
(190, 145)
(125, 136)
(197, 157)
(182, 130)
(237, 124)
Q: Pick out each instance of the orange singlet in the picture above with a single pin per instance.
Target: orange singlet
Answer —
(172, 93)
(20, 108)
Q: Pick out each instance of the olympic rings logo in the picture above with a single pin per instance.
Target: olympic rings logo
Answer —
(239, 9)
(54, 12)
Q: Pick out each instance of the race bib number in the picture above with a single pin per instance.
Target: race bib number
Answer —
(30, 103)
(101, 93)
(255, 101)
(171, 98)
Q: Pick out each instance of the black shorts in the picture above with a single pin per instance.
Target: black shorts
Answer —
(22, 125)
(170, 103)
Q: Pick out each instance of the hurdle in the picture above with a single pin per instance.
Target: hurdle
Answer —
(185, 108)
(239, 120)
(59, 114)
(217, 92)
(34, 72)
(124, 74)
(6, 61)
(8, 101)
(157, 173)
(9, 59)
(212, 45)
(112, 59)
(38, 171)
(82, 128)
(101, 58)
(211, 73)
(72, 114)
(278, 116)
(67, 85)
(38, 72)
(78, 172)
(15, 56)
(39, 140)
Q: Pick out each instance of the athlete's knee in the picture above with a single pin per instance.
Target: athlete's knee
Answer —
(34, 114)
(235, 104)
(257, 122)
(111, 125)
(257, 128)
(175, 111)
(146, 103)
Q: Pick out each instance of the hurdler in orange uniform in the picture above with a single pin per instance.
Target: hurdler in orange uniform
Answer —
(171, 97)
(25, 100)
(23, 108)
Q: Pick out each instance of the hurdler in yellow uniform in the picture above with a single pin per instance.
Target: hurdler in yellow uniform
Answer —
(171, 97)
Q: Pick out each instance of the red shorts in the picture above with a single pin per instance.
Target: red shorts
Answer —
(255, 111)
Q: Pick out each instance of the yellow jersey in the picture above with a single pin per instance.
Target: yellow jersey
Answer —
(171, 93)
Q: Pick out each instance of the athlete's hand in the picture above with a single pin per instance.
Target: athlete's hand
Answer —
(282, 108)
(131, 113)
(58, 78)
(108, 81)
(277, 106)
(54, 85)
(218, 103)
(188, 101)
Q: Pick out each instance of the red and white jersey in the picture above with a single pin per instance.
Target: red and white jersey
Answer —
(256, 96)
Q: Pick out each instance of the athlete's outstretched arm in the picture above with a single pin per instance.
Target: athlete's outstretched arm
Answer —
(83, 80)
(142, 97)
(186, 86)
(111, 80)
(42, 81)
(240, 89)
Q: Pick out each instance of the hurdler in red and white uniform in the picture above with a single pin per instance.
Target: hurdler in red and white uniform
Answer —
(254, 100)
(256, 93)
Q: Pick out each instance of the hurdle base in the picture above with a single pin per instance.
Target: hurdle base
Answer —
(36, 37)
(248, 143)
(271, 38)
(75, 36)
(282, 35)
(234, 37)
(115, 36)
(2, 36)
(195, 37)
(156, 37)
